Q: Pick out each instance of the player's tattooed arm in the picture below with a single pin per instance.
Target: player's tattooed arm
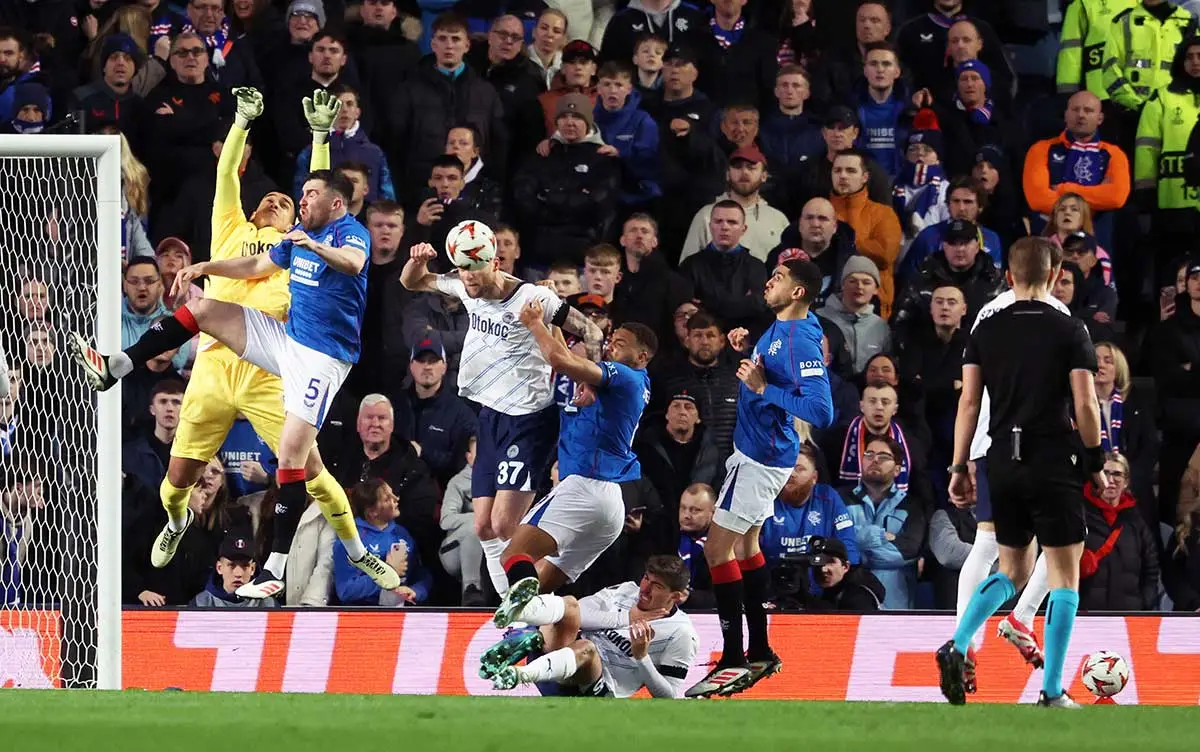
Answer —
(584, 328)
(416, 275)
(562, 360)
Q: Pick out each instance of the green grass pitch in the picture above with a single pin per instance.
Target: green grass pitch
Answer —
(183, 722)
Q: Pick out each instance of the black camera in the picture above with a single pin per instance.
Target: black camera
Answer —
(791, 575)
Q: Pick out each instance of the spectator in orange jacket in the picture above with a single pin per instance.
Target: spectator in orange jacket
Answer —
(1077, 161)
(876, 227)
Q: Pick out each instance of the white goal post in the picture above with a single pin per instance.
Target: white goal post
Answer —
(68, 172)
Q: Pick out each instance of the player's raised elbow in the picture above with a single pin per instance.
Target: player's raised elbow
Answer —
(822, 414)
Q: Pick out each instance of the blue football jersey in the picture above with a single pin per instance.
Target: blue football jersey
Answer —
(242, 444)
(327, 305)
(797, 385)
(597, 441)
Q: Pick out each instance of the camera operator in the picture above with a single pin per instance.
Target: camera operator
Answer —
(843, 587)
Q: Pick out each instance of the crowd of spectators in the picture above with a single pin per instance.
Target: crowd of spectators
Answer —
(653, 161)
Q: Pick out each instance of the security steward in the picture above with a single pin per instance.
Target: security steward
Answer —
(1036, 364)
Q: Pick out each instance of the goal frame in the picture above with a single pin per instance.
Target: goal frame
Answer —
(106, 150)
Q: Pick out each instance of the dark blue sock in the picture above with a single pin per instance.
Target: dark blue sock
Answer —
(989, 596)
(1060, 620)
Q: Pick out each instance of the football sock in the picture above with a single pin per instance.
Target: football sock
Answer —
(975, 569)
(991, 595)
(544, 609)
(336, 507)
(165, 334)
(557, 666)
(492, 551)
(728, 589)
(289, 505)
(519, 567)
(1034, 593)
(755, 583)
(1060, 620)
(175, 501)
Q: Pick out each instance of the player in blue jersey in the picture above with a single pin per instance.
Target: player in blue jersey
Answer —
(327, 255)
(784, 378)
(563, 534)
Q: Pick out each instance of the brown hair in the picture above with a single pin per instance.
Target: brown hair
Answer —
(1031, 259)
(364, 495)
(672, 570)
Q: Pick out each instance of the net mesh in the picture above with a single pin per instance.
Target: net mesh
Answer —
(48, 443)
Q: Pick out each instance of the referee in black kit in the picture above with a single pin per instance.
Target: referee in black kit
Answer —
(1036, 364)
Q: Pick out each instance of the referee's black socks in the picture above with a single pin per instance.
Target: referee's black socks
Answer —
(755, 583)
(729, 591)
(166, 334)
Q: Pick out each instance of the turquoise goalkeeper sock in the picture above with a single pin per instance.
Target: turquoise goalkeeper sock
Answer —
(989, 596)
(1060, 620)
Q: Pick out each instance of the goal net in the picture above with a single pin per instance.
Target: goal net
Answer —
(59, 442)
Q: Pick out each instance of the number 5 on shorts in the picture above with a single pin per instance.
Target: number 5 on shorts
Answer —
(313, 391)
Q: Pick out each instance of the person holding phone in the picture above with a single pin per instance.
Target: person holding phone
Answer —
(376, 508)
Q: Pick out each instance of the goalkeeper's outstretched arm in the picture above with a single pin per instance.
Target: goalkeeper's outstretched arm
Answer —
(244, 267)
(228, 199)
(320, 110)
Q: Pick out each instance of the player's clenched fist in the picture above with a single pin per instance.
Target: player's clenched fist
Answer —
(422, 252)
(531, 313)
(249, 104)
(751, 374)
(184, 277)
(320, 110)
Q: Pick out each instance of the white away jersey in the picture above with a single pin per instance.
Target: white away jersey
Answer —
(501, 366)
(672, 648)
(981, 442)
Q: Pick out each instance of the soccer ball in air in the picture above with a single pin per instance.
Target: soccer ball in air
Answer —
(1105, 673)
(471, 245)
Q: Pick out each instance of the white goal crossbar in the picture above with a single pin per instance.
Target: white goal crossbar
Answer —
(106, 150)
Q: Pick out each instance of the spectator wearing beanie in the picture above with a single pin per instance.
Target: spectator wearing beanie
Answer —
(1077, 161)
(1003, 205)
(920, 192)
(577, 75)
(111, 100)
(853, 311)
(972, 120)
(567, 198)
(964, 43)
(877, 233)
(31, 109)
(924, 43)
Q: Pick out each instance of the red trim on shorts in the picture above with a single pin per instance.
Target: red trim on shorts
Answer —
(725, 573)
(756, 561)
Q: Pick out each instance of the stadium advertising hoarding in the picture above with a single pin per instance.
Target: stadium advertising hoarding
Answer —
(879, 657)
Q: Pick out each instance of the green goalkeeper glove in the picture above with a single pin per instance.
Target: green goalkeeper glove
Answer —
(249, 105)
(320, 110)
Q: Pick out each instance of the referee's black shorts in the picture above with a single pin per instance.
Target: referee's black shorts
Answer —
(1039, 496)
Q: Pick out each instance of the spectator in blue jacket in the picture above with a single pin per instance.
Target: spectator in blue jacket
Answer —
(696, 505)
(348, 142)
(883, 106)
(965, 199)
(376, 508)
(442, 423)
(789, 136)
(629, 132)
(146, 457)
(889, 526)
(806, 508)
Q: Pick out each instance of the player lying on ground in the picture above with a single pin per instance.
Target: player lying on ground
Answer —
(784, 377)
(1036, 362)
(503, 370)
(240, 371)
(610, 644)
(581, 517)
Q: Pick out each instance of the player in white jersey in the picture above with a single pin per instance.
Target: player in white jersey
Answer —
(502, 368)
(985, 551)
(610, 644)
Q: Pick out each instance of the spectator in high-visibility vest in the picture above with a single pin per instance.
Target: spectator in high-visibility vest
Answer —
(1161, 151)
(1141, 42)
(1081, 45)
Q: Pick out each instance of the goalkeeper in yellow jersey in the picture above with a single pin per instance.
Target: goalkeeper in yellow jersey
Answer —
(223, 385)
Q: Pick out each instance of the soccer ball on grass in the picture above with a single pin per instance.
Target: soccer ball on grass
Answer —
(471, 245)
(1105, 673)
